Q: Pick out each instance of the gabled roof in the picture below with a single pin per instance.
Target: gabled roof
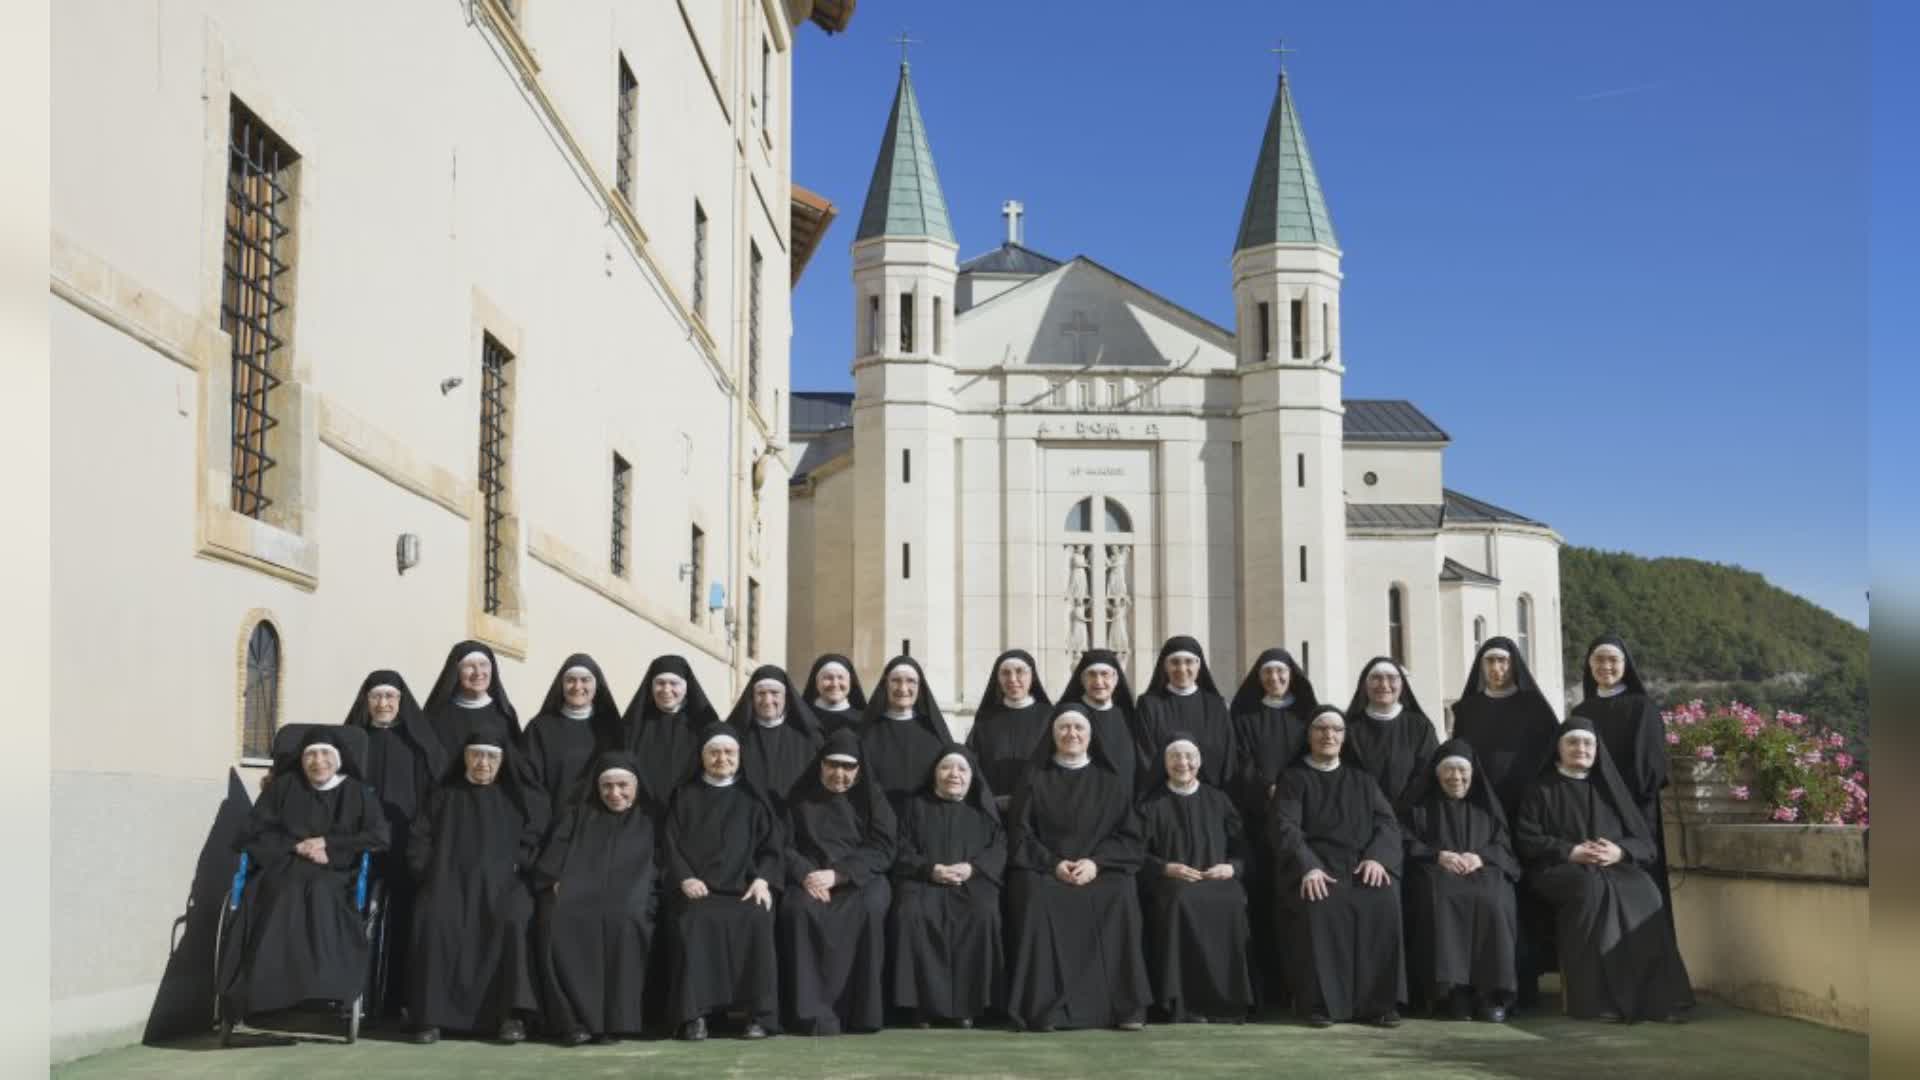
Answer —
(1467, 510)
(1224, 335)
(1454, 571)
(1284, 202)
(815, 411)
(807, 223)
(904, 196)
(1010, 258)
(1388, 420)
(1423, 516)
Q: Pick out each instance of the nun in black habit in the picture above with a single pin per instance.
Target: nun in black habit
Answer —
(1460, 869)
(1197, 928)
(723, 842)
(1587, 851)
(779, 735)
(663, 724)
(1270, 714)
(833, 690)
(1627, 720)
(903, 732)
(833, 912)
(469, 851)
(468, 696)
(944, 938)
(1075, 847)
(404, 762)
(300, 937)
(1181, 697)
(1390, 735)
(578, 716)
(1337, 849)
(1099, 684)
(593, 933)
(1010, 721)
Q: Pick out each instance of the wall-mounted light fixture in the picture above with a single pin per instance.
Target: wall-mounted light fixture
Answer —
(449, 384)
(406, 552)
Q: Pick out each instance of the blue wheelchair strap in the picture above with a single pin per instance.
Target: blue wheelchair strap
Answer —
(360, 881)
(239, 883)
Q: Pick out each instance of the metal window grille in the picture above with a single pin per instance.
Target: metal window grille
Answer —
(623, 145)
(493, 465)
(697, 573)
(753, 323)
(261, 700)
(254, 298)
(622, 493)
(753, 617)
(699, 260)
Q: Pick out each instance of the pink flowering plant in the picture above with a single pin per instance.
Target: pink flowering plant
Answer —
(1798, 769)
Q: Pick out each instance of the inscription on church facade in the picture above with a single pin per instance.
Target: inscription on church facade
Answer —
(1098, 429)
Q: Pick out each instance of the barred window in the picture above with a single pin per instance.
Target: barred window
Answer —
(753, 617)
(622, 498)
(623, 143)
(260, 700)
(753, 322)
(494, 438)
(699, 260)
(256, 300)
(696, 573)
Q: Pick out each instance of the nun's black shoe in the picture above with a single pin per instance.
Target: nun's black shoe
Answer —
(1319, 1019)
(755, 1031)
(576, 1037)
(1131, 1023)
(966, 1023)
(1493, 1014)
(694, 1030)
(1610, 1018)
(1388, 1019)
(424, 1035)
(513, 1030)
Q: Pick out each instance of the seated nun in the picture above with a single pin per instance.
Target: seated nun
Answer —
(779, 736)
(723, 843)
(593, 933)
(578, 715)
(1100, 687)
(833, 689)
(1197, 928)
(944, 938)
(833, 912)
(663, 724)
(302, 938)
(478, 835)
(467, 697)
(1270, 713)
(903, 732)
(1587, 851)
(1182, 697)
(1460, 869)
(1336, 850)
(1074, 845)
(1009, 722)
(1387, 732)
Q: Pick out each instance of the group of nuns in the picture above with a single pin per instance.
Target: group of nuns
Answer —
(825, 862)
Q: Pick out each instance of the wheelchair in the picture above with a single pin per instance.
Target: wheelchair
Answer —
(367, 890)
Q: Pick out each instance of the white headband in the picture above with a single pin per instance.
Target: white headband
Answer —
(1452, 759)
(962, 758)
(1101, 667)
(473, 654)
(618, 771)
(1013, 660)
(1614, 649)
(1070, 712)
(579, 669)
(1496, 651)
(888, 674)
(1277, 663)
(776, 683)
(844, 759)
(485, 748)
(669, 675)
(1386, 665)
(322, 748)
(1178, 743)
(1579, 733)
(833, 665)
(383, 686)
(723, 737)
(1178, 653)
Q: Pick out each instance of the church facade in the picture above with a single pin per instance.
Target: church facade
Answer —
(1042, 453)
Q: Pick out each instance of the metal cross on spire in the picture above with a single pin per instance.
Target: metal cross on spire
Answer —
(1280, 49)
(904, 41)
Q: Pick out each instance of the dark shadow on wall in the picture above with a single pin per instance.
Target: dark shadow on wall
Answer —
(184, 1005)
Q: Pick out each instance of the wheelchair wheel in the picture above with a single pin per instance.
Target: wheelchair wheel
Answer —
(353, 1019)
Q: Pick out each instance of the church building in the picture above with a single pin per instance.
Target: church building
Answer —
(1042, 453)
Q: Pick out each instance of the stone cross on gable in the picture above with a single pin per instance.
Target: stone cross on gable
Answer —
(1080, 332)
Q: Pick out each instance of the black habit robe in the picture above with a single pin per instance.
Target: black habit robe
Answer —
(896, 754)
(832, 720)
(1618, 955)
(1076, 948)
(1116, 729)
(1197, 931)
(1201, 716)
(1391, 751)
(720, 948)
(1271, 738)
(833, 954)
(474, 911)
(948, 962)
(453, 718)
(1003, 737)
(593, 932)
(775, 756)
(1630, 727)
(556, 747)
(1344, 953)
(667, 745)
(301, 937)
(403, 763)
(1461, 930)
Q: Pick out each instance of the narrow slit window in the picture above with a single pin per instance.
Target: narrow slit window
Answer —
(906, 560)
(906, 322)
(1396, 628)
(753, 617)
(256, 301)
(696, 573)
(1303, 563)
(754, 274)
(623, 144)
(1300, 465)
(873, 324)
(622, 499)
(260, 704)
(938, 334)
(1264, 317)
(1299, 321)
(906, 646)
(1306, 657)
(1326, 330)
(495, 446)
(1524, 627)
(699, 259)
(906, 466)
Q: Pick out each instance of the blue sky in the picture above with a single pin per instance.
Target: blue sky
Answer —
(1620, 252)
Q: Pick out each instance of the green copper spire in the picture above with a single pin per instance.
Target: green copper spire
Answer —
(1284, 205)
(904, 197)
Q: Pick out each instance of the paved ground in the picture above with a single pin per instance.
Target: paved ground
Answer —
(1721, 1042)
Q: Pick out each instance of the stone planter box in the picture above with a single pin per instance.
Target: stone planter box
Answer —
(1701, 793)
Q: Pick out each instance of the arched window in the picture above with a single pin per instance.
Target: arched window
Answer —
(1080, 518)
(1479, 630)
(1523, 627)
(260, 705)
(1396, 625)
(1118, 520)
